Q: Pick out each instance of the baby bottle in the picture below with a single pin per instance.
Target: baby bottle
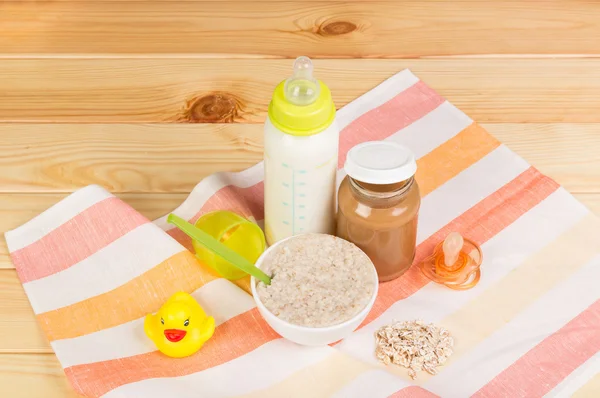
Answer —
(301, 156)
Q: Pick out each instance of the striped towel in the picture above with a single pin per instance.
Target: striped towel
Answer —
(92, 267)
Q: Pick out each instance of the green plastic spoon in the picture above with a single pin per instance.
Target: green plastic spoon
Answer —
(218, 248)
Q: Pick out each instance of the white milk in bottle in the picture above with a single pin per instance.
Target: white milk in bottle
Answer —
(301, 156)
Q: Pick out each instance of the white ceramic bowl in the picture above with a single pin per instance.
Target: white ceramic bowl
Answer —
(308, 335)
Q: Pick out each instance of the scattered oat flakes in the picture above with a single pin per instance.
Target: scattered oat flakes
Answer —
(413, 345)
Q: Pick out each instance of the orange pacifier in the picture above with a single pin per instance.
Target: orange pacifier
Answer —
(454, 263)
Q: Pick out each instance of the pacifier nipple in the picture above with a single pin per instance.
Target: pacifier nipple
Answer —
(451, 248)
(302, 88)
(455, 263)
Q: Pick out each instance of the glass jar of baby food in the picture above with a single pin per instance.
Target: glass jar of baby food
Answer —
(378, 205)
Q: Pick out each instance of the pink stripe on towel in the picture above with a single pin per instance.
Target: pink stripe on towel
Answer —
(105, 221)
(551, 361)
(377, 124)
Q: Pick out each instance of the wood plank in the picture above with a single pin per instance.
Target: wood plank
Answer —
(21, 333)
(33, 375)
(122, 158)
(569, 153)
(174, 158)
(19, 329)
(284, 29)
(17, 209)
(239, 90)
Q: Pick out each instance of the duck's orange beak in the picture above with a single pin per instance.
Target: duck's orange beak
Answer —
(175, 335)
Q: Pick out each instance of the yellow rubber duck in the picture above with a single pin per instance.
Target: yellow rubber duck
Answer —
(180, 327)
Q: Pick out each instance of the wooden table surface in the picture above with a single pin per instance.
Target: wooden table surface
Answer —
(147, 97)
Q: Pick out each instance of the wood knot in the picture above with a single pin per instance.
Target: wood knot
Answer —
(213, 108)
(337, 28)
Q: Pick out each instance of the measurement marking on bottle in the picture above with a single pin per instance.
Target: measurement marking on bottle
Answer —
(285, 165)
(285, 203)
(301, 184)
(302, 195)
(302, 171)
(302, 206)
(285, 184)
(286, 223)
(301, 217)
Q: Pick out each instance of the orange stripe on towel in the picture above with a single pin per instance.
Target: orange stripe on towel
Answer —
(135, 299)
(453, 156)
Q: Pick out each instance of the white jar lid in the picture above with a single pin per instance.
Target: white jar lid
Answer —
(380, 162)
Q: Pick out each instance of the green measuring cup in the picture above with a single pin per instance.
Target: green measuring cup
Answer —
(218, 248)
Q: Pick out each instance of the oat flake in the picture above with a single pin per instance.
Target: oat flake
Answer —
(413, 345)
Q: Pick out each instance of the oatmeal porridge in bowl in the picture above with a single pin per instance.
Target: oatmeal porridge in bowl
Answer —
(322, 288)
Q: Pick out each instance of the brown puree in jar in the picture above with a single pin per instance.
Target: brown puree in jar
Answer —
(381, 218)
